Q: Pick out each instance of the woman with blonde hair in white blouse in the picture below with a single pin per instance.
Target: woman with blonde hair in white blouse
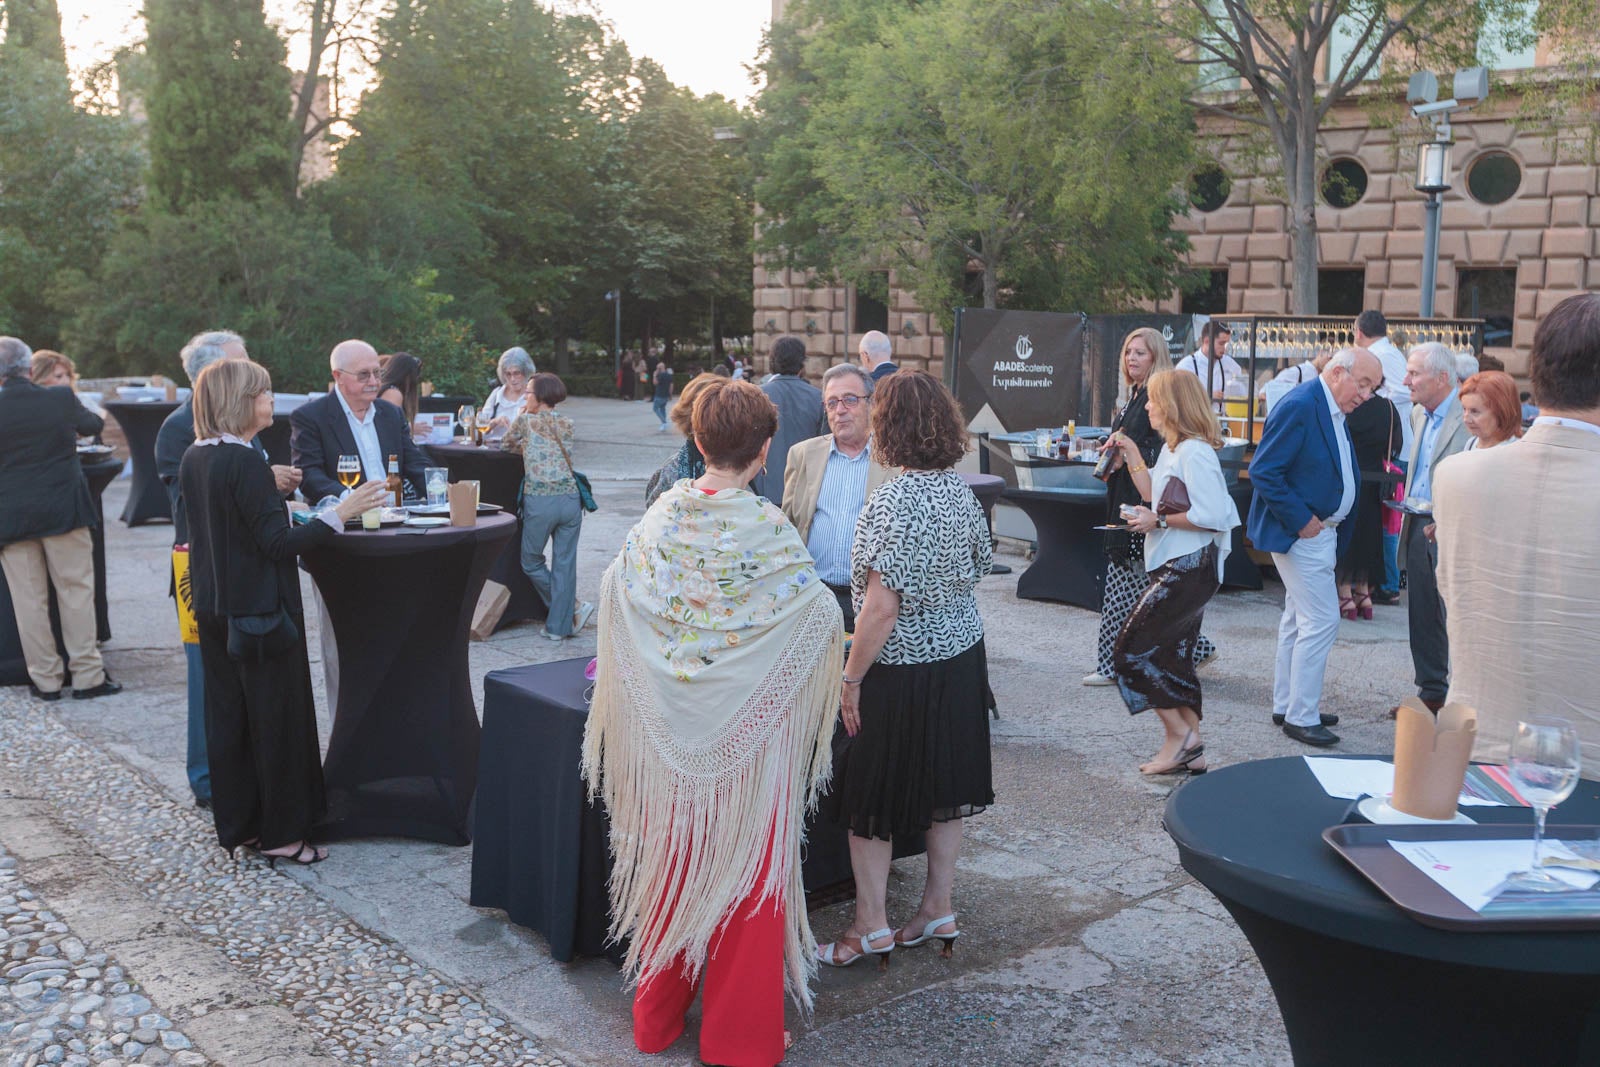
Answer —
(1186, 543)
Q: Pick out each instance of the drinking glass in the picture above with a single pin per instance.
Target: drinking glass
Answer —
(437, 482)
(349, 471)
(467, 415)
(1544, 768)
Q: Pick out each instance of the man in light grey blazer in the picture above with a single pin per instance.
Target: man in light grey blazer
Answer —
(800, 415)
(1517, 561)
(1436, 432)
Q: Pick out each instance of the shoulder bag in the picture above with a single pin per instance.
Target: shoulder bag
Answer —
(581, 480)
(1393, 520)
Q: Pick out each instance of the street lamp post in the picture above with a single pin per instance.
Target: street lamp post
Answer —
(1433, 158)
(614, 298)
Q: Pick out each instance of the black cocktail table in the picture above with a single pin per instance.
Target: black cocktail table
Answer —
(140, 422)
(1357, 980)
(403, 758)
(1070, 562)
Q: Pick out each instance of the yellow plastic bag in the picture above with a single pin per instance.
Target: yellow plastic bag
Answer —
(187, 630)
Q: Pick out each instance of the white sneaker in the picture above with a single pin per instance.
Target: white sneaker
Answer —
(581, 617)
(1098, 679)
(556, 637)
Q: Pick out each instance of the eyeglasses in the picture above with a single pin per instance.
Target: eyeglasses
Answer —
(362, 376)
(849, 400)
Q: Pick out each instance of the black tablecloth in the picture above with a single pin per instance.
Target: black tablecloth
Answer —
(1239, 571)
(403, 757)
(1357, 980)
(499, 474)
(539, 847)
(1070, 561)
(140, 422)
(13, 667)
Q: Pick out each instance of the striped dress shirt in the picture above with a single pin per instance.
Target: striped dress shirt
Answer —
(839, 502)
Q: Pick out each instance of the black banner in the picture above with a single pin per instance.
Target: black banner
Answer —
(1103, 339)
(1024, 366)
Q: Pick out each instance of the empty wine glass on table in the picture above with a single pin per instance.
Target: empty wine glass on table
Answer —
(1544, 768)
(349, 472)
(467, 415)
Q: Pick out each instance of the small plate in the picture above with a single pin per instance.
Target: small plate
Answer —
(1116, 529)
(426, 521)
(1377, 810)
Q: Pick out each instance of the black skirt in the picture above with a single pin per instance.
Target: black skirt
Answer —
(1154, 655)
(922, 753)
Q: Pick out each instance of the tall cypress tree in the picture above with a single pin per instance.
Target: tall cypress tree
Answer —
(33, 38)
(219, 103)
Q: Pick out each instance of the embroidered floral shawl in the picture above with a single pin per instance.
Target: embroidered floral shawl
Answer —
(720, 653)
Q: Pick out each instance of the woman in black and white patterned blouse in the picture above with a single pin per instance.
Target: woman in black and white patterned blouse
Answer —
(916, 685)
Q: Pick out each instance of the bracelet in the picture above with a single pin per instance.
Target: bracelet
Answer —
(1135, 470)
(849, 680)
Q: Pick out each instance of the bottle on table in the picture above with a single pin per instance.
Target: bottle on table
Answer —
(396, 486)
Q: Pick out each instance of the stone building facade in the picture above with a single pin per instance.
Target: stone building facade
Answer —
(1520, 231)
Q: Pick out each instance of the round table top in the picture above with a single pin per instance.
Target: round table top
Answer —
(408, 540)
(461, 448)
(165, 407)
(1252, 833)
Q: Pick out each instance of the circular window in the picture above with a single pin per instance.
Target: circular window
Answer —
(1209, 187)
(1493, 178)
(1344, 182)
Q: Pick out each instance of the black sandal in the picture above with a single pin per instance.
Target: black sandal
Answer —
(297, 856)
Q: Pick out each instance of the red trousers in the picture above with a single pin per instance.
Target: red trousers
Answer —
(741, 1015)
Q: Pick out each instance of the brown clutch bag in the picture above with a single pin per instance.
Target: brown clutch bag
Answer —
(1174, 498)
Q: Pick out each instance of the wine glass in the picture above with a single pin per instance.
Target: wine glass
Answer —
(1544, 768)
(349, 472)
(467, 415)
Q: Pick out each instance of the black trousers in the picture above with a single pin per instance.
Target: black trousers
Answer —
(261, 737)
(841, 593)
(1430, 646)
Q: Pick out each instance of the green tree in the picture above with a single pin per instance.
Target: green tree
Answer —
(1296, 61)
(1039, 144)
(66, 177)
(219, 103)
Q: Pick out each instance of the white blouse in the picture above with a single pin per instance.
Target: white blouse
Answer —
(1210, 506)
(499, 405)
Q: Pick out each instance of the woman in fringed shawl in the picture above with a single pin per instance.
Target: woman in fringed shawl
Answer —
(720, 655)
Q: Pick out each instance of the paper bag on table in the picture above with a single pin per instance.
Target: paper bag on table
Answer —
(463, 504)
(1430, 757)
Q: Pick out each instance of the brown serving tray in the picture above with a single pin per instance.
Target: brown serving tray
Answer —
(1366, 847)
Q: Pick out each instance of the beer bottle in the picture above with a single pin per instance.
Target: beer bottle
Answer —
(396, 486)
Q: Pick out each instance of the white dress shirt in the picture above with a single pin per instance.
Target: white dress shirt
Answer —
(1571, 424)
(1394, 387)
(1224, 374)
(365, 432)
(1347, 458)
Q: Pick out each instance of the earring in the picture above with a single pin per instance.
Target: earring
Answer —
(763, 470)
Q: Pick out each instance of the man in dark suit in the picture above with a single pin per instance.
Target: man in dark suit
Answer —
(1304, 475)
(800, 416)
(44, 527)
(174, 439)
(877, 355)
(352, 421)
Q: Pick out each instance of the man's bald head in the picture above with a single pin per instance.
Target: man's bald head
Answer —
(355, 374)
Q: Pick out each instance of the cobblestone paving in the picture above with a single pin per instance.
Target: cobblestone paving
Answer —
(368, 1001)
(62, 1003)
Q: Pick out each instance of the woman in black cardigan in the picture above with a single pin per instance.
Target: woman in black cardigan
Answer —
(1144, 352)
(261, 726)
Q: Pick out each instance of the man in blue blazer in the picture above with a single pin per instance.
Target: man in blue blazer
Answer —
(1304, 475)
(352, 421)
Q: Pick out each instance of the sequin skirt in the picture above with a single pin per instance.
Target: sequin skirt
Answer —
(1154, 655)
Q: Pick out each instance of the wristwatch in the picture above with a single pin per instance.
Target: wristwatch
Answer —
(1161, 521)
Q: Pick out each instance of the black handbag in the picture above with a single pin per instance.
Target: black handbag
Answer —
(258, 638)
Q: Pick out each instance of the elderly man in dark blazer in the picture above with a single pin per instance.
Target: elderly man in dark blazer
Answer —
(800, 415)
(44, 527)
(352, 421)
(1304, 475)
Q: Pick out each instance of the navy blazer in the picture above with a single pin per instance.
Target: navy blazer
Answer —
(319, 433)
(883, 370)
(42, 488)
(1295, 472)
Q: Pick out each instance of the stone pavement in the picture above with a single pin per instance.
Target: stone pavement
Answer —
(1083, 940)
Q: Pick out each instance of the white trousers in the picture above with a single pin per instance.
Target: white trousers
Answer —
(1310, 624)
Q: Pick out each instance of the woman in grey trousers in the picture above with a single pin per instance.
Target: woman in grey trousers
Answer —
(550, 508)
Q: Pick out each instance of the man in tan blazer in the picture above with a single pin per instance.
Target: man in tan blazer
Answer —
(1517, 560)
(1437, 432)
(827, 480)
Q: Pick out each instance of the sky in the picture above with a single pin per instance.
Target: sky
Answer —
(702, 44)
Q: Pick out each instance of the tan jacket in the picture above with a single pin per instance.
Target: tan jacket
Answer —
(802, 480)
(1520, 579)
